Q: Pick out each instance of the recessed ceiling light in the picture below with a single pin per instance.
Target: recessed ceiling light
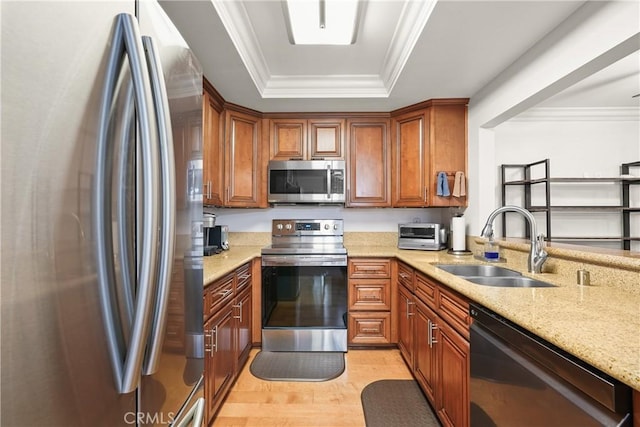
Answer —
(321, 22)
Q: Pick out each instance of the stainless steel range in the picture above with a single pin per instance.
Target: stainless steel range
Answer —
(304, 286)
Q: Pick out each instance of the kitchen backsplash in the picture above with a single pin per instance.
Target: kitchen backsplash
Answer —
(355, 219)
(350, 239)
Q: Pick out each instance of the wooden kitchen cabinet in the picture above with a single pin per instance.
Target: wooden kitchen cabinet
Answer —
(447, 147)
(406, 314)
(244, 316)
(306, 139)
(433, 337)
(406, 311)
(212, 148)
(228, 321)
(369, 295)
(452, 402)
(369, 163)
(245, 166)
(425, 358)
(428, 138)
(288, 139)
(219, 358)
(410, 174)
(326, 138)
(370, 301)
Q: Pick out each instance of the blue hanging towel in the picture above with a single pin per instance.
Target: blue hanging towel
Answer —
(443, 185)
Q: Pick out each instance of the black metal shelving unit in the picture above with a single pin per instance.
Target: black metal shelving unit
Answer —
(527, 183)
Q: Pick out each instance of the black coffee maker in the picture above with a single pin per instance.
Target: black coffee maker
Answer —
(208, 227)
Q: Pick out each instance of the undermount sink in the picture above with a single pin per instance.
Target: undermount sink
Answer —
(509, 282)
(492, 275)
(477, 270)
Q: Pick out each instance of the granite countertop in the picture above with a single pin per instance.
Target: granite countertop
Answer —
(217, 266)
(600, 324)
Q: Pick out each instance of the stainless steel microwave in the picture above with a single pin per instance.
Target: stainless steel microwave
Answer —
(306, 181)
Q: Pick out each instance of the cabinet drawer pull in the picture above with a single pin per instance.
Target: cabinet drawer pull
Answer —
(207, 348)
(431, 337)
(225, 293)
(370, 330)
(239, 307)
(409, 303)
(213, 340)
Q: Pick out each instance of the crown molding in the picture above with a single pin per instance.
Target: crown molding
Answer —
(349, 86)
(236, 21)
(579, 114)
(413, 18)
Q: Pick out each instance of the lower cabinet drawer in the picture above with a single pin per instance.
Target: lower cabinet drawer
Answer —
(370, 328)
(218, 294)
(370, 295)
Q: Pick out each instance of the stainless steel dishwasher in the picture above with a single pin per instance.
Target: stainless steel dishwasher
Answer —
(518, 379)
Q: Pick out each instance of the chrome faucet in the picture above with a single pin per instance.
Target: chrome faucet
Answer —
(537, 254)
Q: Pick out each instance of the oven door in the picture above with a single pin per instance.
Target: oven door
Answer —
(304, 303)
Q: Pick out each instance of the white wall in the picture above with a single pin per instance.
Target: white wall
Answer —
(355, 219)
(578, 143)
(595, 36)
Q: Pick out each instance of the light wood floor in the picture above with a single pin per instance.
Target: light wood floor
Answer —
(335, 403)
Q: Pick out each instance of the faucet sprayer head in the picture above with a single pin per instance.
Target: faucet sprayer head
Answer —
(487, 231)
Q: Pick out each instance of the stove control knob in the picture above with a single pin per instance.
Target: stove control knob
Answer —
(326, 226)
(335, 226)
(288, 226)
(279, 226)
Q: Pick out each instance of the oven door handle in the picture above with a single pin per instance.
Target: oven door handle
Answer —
(304, 260)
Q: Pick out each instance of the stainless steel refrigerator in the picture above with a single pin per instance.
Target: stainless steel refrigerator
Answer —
(101, 199)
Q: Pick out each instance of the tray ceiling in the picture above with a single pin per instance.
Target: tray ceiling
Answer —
(405, 52)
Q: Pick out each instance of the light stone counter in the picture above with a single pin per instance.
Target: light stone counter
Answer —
(599, 324)
(216, 266)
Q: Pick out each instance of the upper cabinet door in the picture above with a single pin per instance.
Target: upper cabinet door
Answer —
(213, 170)
(326, 138)
(288, 139)
(302, 139)
(369, 170)
(244, 181)
(447, 148)
(409, 157)
(427, 140)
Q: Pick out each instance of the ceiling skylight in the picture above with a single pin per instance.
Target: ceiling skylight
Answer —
(321, 22)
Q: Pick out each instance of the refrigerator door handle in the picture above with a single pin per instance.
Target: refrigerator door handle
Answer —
(125, 132)
(167, 207)
(126, 354)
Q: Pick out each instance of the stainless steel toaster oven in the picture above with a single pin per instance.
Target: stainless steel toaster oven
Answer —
(422, 236)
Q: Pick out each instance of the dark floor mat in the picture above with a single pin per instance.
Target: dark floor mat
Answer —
(297, 366)
(396, 403)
